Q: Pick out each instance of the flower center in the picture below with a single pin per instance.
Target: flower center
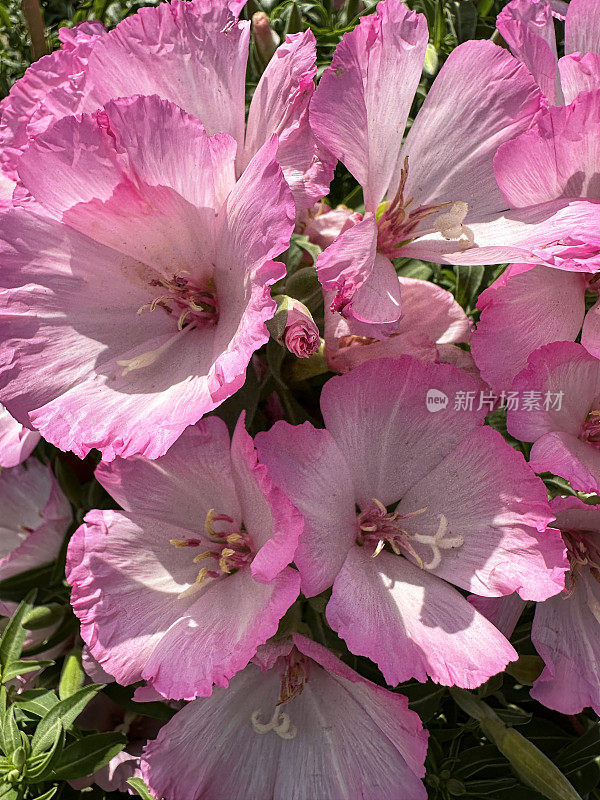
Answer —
(590, 430)
(229, 549)
(293, 679)
(583, 550)
(379, 527)
(194, 306)
(397, 222)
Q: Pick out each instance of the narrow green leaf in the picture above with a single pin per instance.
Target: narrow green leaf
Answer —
(141, 788)
(11, 738)
(15, 587)
(22, 667)
(14, 634)
(36, 701)
(8, 792)
(47, 795)
(88, 755)
(38, 766)
(66, 711)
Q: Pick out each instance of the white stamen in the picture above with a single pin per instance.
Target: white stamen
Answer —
(450, 224)
(438, 542)
(279, 723)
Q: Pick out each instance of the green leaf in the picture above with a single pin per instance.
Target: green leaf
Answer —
(14, 634)
(72, 675)
(88, 755)
(468, 281)
(8, 792)
(11, 738)
(22, 667)
(47, 795)
(36, 701)
(65, 712)
(38, 766)
(141, 788)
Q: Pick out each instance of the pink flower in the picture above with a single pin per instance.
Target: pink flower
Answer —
(181, 588)
(441, 500)
(566, 628)
(193, 54)
(297, 723)
(16, 442)
(443, 203)
(431, 324)
(141, 289)
(528, 28)
(35, 518)
(528, 307)
(560, 413)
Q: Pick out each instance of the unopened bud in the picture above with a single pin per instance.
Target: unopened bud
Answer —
(531, 765)
(265, 38)
(294, 327)
(430, 65)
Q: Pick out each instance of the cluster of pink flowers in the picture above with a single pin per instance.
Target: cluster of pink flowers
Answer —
(141, 218)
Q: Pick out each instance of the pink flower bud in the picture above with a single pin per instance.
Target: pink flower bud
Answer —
(265, 38)
(301, 335)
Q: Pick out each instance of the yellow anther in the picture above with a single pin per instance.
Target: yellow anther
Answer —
(178, 542)
(210, 515)
(202, 557)
(233, 538)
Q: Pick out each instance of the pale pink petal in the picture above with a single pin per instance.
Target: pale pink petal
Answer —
(7, 188)
(124, 194)
(503, 612)
(126, 580)
(430, 317)
(83, 32)
(51, 82)
(565, 628)
(169, 487)
(219, 633)
(269, 517)
(413, 624)
(280, 105)
(345, 728)
(486, 496)
(308, 466)
(558, 157)
(35, 518)
(481, 98)
(560, 367)
(527, 307)
(323, 224)
(565, 634)
(579, 73)
(527, 26)
(590, 334)
(560, 233)
(127, 380)
(189, 53)
(582, 27)
(363, 100)
(380, 421)
(348, 262)
(566, 455)
(16, 442)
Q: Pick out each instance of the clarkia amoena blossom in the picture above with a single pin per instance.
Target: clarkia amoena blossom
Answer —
(297, 723)
(141, 290)
(181, 587)
(565, 627)
(203, 48)
(400, 502)
(434, 197)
